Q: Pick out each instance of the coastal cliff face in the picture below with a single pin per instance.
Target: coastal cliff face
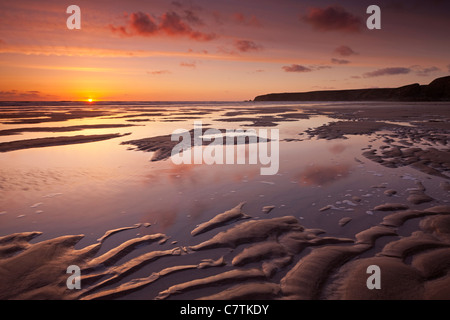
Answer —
(437, 90)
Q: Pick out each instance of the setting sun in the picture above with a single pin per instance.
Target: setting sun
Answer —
(90, 100)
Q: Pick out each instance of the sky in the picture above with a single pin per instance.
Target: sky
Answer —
(216, 50)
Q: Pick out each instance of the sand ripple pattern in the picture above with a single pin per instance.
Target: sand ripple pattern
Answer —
(272, 258)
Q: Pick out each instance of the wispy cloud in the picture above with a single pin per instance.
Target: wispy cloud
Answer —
(188, 64)
(296, 68)
(193, 18)
(250, 21)
(333, 18)
(417, 69)
(177, 4)
(339, 61)
(301, 68)
(15, 95)
(246, 46)
(424, 72)
(159, 72)
(344, 51)
(387, 72)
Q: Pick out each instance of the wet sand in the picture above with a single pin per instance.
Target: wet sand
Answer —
(15, 131)
(417, 264)
(432, 157)
(54, 141)
(263, 253)
(162, 146)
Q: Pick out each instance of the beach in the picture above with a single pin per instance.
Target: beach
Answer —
(93, 185)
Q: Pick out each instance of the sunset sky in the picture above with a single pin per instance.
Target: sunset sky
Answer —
(216, 49)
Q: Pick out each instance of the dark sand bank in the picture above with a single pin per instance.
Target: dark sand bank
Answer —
(264, 116)
(8, 132)
(162, 146)
(54, 141)
(40, 117)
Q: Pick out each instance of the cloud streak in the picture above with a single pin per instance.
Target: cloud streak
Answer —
(159, 72)
(339, 61)
(424, 72)
(301, 68)
(387, 72)
(417, 69)
(17, 95)
(250, 21)
(188, 64)
(344, 51)
(246, 46)
(193, 18)
(332, 18)
(296, 68)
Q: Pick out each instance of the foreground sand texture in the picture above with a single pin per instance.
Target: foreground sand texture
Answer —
(269, 267)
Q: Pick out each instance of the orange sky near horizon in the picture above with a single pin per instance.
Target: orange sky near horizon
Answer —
(215, 50)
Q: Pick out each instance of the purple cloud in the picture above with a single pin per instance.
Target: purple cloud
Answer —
(17, 95)
(176, 4)
(301, 68)
(142, 24)
(246, 46)
(387, 72)
(193, 18)
(339, 61)
(345, 51)
(296, 68)
(250, 21)
(170, 23)
(333, 18)
(188, 64)
(424, 72)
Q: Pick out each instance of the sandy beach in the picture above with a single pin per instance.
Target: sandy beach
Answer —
(360, 184)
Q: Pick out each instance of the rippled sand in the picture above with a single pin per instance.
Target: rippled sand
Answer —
(267, 248)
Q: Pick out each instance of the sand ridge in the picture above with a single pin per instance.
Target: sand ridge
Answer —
(270, 246)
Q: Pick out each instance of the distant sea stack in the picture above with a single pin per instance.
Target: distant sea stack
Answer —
(437, 90)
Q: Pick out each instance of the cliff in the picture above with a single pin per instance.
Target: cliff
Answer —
(437, 90)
